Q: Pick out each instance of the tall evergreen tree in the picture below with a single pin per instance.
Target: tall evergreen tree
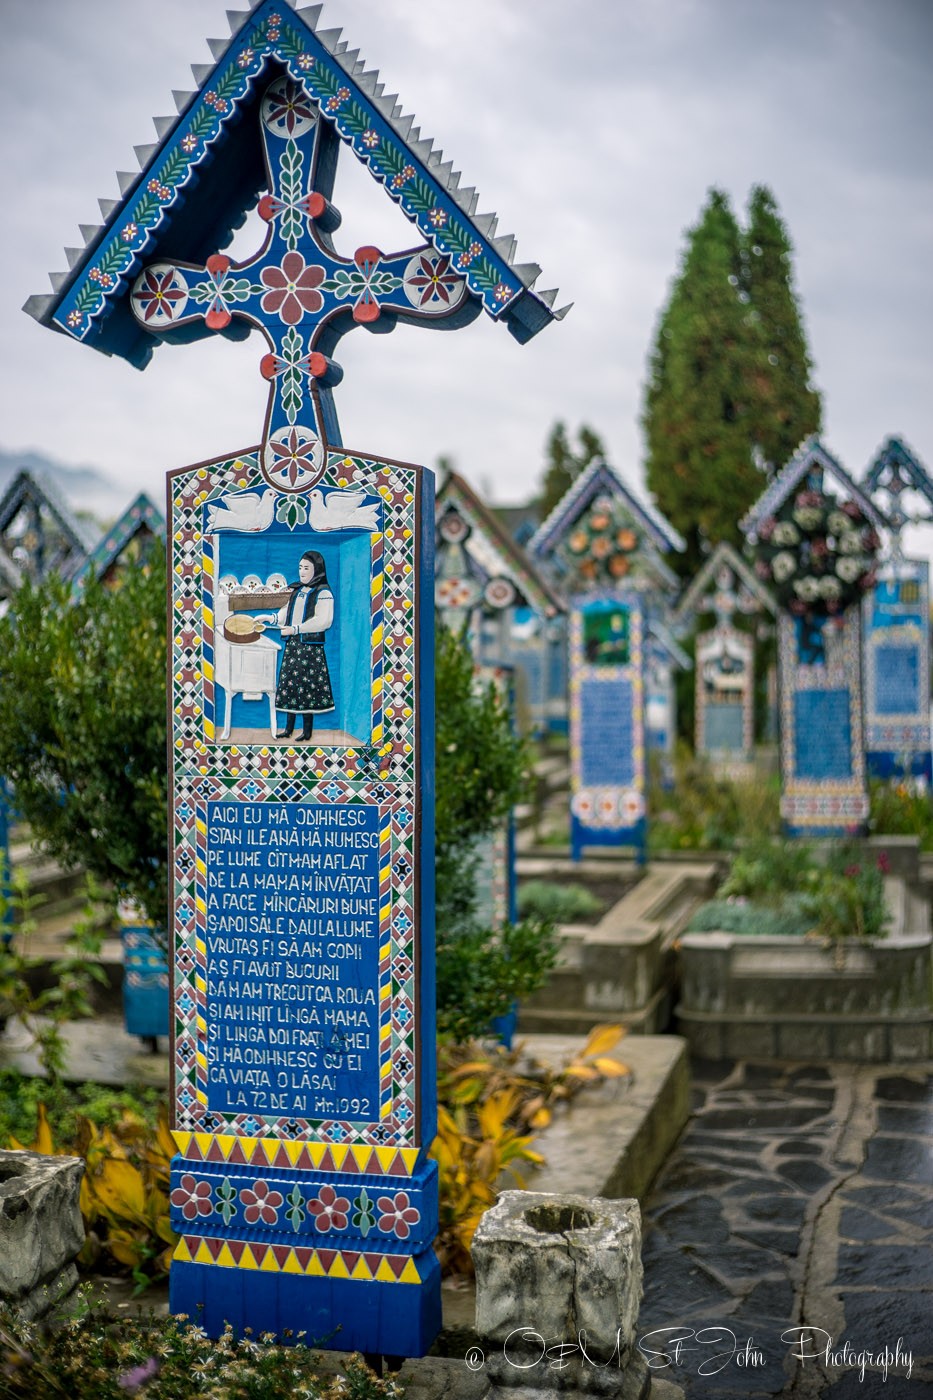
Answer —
(790, 408)
(703, 384)
(564, 464)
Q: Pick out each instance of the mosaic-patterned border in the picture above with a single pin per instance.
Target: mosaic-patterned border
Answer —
(382, 772)
(364, 1266)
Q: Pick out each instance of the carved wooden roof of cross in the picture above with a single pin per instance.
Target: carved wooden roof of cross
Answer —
(267, 124)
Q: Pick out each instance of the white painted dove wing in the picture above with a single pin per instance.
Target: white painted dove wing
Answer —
(242, 510)
(342, 510)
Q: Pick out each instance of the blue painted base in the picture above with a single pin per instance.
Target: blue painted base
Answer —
(504, 1027)
(899, 765)
(634, 837)
(145, 1010)
(145, 983)
(384, 1319)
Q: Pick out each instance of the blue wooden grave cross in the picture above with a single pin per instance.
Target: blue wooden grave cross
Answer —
(299, 291)
(304, 1090)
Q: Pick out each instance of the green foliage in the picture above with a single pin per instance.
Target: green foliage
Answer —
(766, 871)
(481, 775)
(557, 904)
(901, 809)
(704, 812)
(833, 894)
(44, 1012)
(481, 763)
(564, 464)
(481, 972)
(728, 375)
(83, 726)
(790, 407)
(738, 916)
(101, 1105)
(102, 1355)
(846, 899)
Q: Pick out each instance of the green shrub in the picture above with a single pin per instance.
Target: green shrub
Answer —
(481, 775)
(766, 871)
(558, 904)
(107, 1356)
(900, 808)
(705, 812)
(788, 887)
(732, 916)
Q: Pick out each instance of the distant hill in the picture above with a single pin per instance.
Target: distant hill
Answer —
(85, 489)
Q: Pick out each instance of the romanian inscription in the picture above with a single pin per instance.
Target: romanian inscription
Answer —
(607, 739)
(724, 726)
(292, 933)
(897, 680)
(823, 731)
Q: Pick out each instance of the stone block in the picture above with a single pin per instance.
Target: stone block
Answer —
(862, 1042)
(911, 1042)
(798, 1040)
(41, 1229)
(558, 1287)
(749, 1040)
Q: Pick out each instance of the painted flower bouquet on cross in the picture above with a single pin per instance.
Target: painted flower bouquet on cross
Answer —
(816, 553)
(602, 546)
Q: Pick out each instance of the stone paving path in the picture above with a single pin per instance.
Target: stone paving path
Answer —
(796, 1214)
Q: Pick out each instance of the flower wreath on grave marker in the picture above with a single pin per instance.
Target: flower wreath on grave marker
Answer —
(817, 554)
(602, 545)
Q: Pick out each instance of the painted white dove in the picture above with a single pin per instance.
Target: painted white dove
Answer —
(241, 510)
(342, 510)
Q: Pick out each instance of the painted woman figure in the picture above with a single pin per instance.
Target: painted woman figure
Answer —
(304, 681)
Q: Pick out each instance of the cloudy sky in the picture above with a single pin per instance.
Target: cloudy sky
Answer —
(594, 129)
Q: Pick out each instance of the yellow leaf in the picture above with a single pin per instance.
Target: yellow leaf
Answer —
(585, 1072)
(121, 1191)
(541, 1119)
(601, 1039)
(612, 1069)
(44, 1143)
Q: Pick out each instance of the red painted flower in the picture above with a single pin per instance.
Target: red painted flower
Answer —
(292, 289)
(261, 1204)
(330, 1211)
(288, 107)
(434, 280)
(398, 1214)
(158, 292)
(192, 1197)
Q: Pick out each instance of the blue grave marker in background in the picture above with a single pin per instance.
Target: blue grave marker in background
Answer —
(607, 724)
(816, 537)
(897, 626)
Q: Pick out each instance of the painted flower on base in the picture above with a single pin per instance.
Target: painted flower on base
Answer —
(330, 1211)
(397, 1214)
(192, 1197)
(262, 1204)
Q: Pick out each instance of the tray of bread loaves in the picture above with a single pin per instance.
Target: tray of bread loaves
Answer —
(253, 592)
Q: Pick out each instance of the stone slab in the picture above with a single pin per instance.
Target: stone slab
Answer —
(613, 1138)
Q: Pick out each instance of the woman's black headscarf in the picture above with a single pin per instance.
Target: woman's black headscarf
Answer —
(319, 577)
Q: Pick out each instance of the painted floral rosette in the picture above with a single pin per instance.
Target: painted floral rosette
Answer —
(818, 555)
(601, 547)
